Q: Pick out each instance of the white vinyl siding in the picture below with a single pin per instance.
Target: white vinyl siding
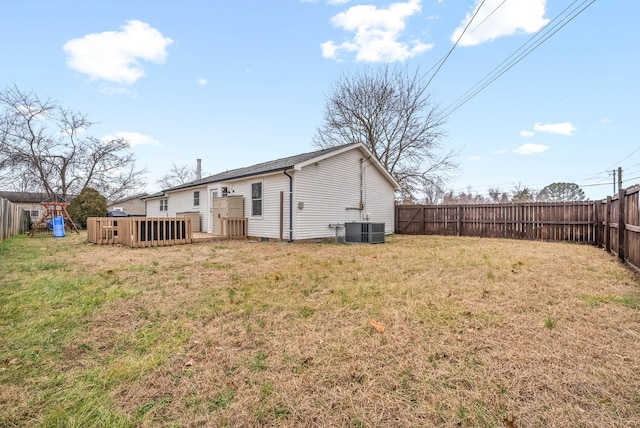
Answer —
(267, 226)
(324, 192)
(330, 194)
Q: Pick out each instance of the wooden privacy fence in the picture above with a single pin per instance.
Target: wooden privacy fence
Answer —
(139, 231)
(612, 224)
(13, 219)
(620, 226)
(574, 221)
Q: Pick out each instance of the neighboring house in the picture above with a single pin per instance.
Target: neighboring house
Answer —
(28, 201)
(133, 205)
(321, 191)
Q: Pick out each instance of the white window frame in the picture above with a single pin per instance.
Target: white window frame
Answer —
(255, 199)
(196, 198)
(164, 205)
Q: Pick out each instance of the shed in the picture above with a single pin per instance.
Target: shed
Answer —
(308, 196)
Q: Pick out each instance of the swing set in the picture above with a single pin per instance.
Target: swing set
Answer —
(55, 217)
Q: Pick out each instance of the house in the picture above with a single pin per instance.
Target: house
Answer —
(304, 197)
(133, 205)
(30, 202)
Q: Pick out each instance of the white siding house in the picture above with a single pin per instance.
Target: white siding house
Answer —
(311, 194)
(133, 205)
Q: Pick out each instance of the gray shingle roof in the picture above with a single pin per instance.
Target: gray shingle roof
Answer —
(261, 168)
(129, 198)
(26, 197)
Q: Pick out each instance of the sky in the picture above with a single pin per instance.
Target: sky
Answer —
(239, 82)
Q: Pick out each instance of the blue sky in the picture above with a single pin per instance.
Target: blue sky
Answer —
(241, 82)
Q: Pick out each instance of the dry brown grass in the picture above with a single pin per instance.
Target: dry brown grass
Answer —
(477, 332)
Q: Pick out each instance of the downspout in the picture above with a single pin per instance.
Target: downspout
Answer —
(361, 205)
(290, 205)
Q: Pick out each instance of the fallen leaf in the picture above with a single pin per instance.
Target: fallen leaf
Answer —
(190, 363)
(509, 423)
(379, 327)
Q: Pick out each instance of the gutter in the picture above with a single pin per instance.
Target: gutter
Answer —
(290, 205)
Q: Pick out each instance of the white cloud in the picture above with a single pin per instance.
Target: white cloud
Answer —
(376, 33)
(115, 55)
(474, 158)
(499, 152)
(531, 149)
(133, 138)
(605, 120)
(527, 134)
(564, 128)
(497, 19)
(202, 81)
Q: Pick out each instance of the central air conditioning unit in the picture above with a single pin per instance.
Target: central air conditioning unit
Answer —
(364, 233)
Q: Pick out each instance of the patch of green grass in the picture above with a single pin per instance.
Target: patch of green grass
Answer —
(631, 300)
(306, 312)
(223, 399)
(550, 322)
(258, 362)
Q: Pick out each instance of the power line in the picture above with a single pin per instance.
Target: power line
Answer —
(608, 169)
(455, 44)
(510, 61)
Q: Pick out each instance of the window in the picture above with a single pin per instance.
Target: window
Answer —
(196, 199)
(35, 213)
(256, 199)
(164, 206)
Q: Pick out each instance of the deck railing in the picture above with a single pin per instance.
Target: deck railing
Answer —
(233, 227)
(139, 231)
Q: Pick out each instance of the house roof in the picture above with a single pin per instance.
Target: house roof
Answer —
(291, 162)
(26, 197)
(130, 198)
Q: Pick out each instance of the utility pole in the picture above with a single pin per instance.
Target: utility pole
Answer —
(614, 181)
(619, 178)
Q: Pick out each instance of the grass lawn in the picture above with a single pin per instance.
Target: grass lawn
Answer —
(420, 331)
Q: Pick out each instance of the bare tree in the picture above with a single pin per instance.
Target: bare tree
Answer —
(390, 112)
(43, 147)
(522, 193)
(178, 175)
(434, 191)
(497, 196)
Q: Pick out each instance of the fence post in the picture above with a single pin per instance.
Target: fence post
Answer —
(396, 218)
(621, 223)
(607, 225)
(596, 224)
(459, 220)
